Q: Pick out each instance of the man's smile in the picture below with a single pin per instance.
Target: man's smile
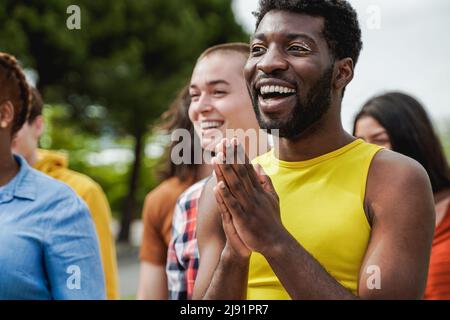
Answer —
(275, 96)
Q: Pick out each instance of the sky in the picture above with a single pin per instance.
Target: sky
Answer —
(406, 48)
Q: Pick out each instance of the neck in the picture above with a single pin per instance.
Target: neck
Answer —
(8, 165)
(325, 136)
(32, 158)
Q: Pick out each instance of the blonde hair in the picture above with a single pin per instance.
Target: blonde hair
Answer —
(234, 47)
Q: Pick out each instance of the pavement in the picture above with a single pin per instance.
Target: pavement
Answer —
(128, 263)
(128, 260)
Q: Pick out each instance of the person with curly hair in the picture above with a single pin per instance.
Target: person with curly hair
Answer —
(49, 248)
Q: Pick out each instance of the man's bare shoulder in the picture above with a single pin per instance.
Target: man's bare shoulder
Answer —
(392, 166)
(395, 179)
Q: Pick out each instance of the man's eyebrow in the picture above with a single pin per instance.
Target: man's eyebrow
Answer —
(289, 36)
(259, 36)
(293, 36)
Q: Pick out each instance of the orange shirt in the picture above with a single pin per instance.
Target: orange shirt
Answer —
(438, 285)
(157, 219)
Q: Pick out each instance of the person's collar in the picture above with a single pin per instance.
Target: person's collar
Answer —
(22, 185)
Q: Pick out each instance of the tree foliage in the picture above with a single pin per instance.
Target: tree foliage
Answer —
(119, 72)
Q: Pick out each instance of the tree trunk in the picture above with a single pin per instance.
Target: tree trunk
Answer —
(129, 208)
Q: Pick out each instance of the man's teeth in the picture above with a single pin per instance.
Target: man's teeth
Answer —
(210, 124)
(276, 89)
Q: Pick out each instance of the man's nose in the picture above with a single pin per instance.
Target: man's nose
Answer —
(272, 61)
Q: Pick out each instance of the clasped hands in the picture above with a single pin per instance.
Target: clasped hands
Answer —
(247, 201)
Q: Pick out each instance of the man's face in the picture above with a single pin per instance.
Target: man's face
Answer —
(219, 98)
(26, 140)
(289, 72)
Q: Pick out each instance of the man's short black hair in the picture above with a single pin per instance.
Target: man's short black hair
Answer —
(341, 30)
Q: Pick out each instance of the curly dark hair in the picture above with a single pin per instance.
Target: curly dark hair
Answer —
(177, 117)
(14, 88)
(341, 31)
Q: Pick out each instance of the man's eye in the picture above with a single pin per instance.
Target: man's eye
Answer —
(299, 48)
(258, 50)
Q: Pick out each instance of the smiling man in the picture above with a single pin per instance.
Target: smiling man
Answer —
(328, 221)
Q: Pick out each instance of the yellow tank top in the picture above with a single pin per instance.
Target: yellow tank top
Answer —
(322, 206)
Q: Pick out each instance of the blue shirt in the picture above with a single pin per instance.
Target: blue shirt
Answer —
(48, 245)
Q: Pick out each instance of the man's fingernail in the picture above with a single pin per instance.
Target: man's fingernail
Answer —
(222, 185)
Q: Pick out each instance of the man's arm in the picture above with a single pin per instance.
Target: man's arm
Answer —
(400, 198)
(401, 202)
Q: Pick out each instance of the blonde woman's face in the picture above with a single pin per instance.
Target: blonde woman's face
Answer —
(219, 98)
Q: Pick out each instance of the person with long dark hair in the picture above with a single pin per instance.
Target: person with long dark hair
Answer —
(399, 122)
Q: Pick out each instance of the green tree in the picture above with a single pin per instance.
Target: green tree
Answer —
(129, 59)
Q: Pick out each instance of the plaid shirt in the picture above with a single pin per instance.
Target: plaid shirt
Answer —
(183, 255)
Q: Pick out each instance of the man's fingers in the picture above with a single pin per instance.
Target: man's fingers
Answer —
(228, 227)
(217, 170)
(220, 147)
(240, 165)
(234, 207)
(231, 179)
(265, 181)
(222, 207)
(246, 164)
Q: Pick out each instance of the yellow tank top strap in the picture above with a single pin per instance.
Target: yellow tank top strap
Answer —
(322, 206)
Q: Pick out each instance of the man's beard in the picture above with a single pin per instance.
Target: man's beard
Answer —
(304, 115)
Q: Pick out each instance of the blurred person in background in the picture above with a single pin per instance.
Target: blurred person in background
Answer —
(160, 203)
(219, 102)
(400, 123)
(55, 165)
(48, 245)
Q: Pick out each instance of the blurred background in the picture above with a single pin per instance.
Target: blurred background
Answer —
(105, 85)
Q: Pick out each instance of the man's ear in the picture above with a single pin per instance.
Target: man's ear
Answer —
(38, 126)
(6, 114)
(344, 73)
